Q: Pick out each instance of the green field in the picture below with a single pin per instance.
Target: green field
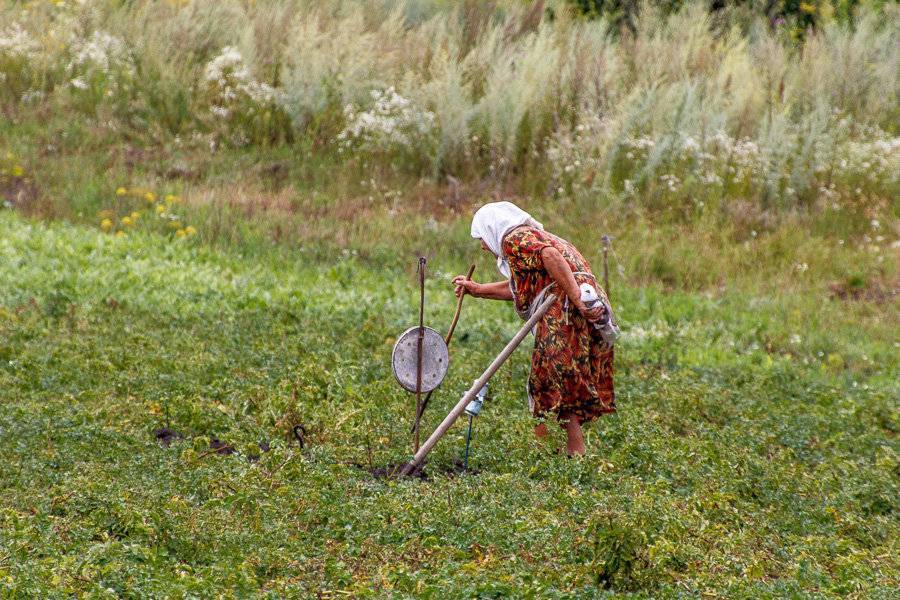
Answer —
(754, 453)
(210, 214)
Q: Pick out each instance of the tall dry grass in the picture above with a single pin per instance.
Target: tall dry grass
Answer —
(689, 106)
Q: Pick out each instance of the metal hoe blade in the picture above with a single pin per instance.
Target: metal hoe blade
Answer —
(435, 359)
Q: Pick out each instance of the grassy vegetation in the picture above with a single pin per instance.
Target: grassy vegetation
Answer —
(209, 218)
(754, 452)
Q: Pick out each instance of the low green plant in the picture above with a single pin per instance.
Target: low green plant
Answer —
(752, 453)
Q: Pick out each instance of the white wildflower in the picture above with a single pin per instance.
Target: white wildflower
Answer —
(98, 53)
(32, 96)
(220, 111)
(671, 181)
(228, 64)
(690, 145)
(392, 119)
(15, 42)
(642, 143)
(231, 83)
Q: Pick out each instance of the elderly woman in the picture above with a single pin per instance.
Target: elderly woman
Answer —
(571, 367)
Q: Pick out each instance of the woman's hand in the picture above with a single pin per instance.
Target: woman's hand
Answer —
(465, 286)
(591, 314)
(498, 290)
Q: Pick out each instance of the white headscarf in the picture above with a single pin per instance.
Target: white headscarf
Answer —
(494, 220)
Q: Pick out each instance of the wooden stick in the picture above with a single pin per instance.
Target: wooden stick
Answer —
(447, 339)
(479, 383)
(458, 307)
(605, 239)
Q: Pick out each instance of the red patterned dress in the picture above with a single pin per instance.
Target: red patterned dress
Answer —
(571, 367)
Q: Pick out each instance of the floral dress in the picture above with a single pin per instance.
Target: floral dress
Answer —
(571, 367)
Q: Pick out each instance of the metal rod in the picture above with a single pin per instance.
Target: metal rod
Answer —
(476, 387)
(447, 339)
(420, 340)
(605, 240)
(468, 440)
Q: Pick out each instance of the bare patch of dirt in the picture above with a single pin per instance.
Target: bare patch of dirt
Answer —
(166, 436)
(439, 200)
(860, 290)
(20, 193)
(263, 447)
(276, 172)
(221, 447)
(393, 470)
(248, 200)
(748, 216)
(452, 196)
(181, 171)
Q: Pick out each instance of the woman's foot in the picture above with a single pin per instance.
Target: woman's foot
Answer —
(574, 437)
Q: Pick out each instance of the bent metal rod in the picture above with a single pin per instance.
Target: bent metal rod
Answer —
(451, 418)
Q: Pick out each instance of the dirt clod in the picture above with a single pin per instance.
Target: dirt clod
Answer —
(263, 447)
(393, 470)
(857, 289)
(221, 447)
(166, 436)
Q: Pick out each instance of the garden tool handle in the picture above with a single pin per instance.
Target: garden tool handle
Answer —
(476, 387)
(458, 307)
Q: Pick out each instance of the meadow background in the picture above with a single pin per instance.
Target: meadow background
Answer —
(210, 218)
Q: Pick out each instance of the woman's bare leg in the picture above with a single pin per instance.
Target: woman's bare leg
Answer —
(574, 437)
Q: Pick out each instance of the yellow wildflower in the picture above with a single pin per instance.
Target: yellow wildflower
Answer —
(18, 171)
(150, 197)
(120, 191)
(135, 215)
(172, 199)
(160, 209)
(180, 233)
(127, 222)
(106, 224)
(120, 234)
(807, 8)
(190, 230)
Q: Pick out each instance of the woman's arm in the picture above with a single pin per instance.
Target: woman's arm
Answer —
(499, 290)
(559, 270)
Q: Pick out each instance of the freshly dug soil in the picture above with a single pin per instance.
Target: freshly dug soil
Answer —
(392, 471)
(263, 447)
(166, 436)
(221, 447)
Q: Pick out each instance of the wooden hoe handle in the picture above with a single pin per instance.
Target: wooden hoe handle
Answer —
(422, 452)
(458, 308)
